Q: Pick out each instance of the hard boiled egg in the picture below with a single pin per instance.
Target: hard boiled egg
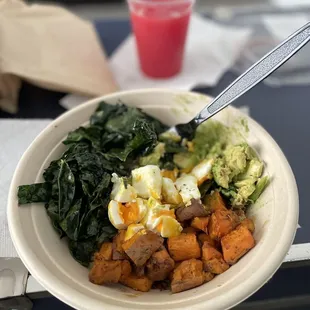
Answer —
(121, 192)
(132, 230)
(202, 172)
(168, 227)
(122, 215)
(170, 193)
(187, 186)
(147, 181)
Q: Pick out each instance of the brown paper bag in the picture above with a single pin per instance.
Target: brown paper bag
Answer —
(51, 48)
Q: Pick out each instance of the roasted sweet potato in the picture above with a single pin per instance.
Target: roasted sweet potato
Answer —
(213, 260)
(187, 275)
(201, 223)
(105, 272)
(117, 249)
(190, 230)
(202, 237)
(139, 270)
(125, 269)
(142, 245)
(214, 202)
(208, 276)
(142, 284)
(183, 247)
(195, 209)
(159, 265)
(249, 224)
(106, 250)
(221, 223)
(236, 244)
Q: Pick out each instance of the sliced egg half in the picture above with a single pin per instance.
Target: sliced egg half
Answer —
(122, 215)
(187, 186)
(202, 172)
(120, 192)
(132, 230)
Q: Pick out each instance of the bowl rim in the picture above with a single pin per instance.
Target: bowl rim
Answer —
(32, 263)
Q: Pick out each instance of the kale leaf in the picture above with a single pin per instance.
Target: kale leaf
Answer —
(77, 186)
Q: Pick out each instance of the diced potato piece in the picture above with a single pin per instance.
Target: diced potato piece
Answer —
(125, 269)
(249, 224)
(221, 223)
(142, 245)
(206, 238)
(236, 244)
(106, 250)
(213, 260)
(117, 249)
(139, 270)
(183, 247)
(187, 275)
(201, 223)
(214, 201)
(105, 272)
(170, 193)
(208, 276)
(159, 265)
(171, 174)
(190, 230)
(142, 284)
(195, 209)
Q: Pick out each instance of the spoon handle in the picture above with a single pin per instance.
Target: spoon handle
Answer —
(258, 72)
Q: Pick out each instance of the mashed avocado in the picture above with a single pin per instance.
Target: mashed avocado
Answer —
(236, 169)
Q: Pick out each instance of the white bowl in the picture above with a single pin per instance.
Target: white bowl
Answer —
(48, 258)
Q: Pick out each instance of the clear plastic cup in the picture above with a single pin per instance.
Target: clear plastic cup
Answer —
(160, 28)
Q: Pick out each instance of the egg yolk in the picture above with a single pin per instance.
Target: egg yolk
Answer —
(170, 174)
(129, 212)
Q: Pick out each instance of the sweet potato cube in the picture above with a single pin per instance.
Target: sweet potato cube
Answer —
(142, 245)
(105, 272)
(214, 202)
(249, 224)
(202, 238)
(142, 284)
(106, 250)
(187, 275)
(186, 213)
(183, 247)
(159, 265)
(208, 276)
(117, 249)
(139, 270)
(221, 223)
(213, 260)
(189, 230)
(201, 223)
(125, 269)
(236, 244)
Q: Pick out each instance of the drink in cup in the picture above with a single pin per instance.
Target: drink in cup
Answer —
(160, 28)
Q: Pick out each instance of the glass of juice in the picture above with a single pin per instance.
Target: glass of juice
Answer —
(160, 28)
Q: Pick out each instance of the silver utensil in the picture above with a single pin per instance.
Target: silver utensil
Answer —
(255, 74)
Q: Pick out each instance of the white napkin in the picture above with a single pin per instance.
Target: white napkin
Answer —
(51, 48)
(211, 50)
(15, 137)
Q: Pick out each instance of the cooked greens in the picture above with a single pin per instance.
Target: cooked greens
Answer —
(77, 186)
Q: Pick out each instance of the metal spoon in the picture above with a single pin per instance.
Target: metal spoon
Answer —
(255, 74)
